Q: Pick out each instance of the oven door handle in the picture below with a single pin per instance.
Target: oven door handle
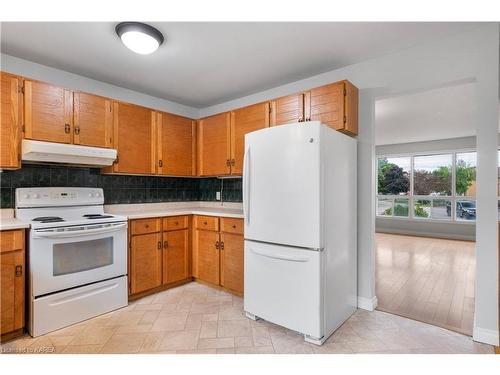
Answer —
(78, 233)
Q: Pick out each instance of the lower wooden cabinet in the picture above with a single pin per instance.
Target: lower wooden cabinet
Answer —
(218, 253)
(12, 281)
(158, 256)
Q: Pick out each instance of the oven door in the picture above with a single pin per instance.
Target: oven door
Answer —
(63, 258)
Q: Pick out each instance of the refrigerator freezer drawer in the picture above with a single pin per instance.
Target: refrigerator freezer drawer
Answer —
(62, 309)
(282, 286)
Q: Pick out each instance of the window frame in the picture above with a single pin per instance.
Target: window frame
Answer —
(453, 198)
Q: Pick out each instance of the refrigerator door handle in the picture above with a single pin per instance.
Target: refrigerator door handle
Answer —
(280, 256)
(246, 187)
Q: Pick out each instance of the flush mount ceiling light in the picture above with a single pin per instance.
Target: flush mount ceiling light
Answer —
(139, 37)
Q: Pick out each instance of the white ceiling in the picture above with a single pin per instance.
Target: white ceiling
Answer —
(203, 64)
(441, 113)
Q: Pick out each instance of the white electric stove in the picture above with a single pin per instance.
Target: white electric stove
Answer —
(77, 256)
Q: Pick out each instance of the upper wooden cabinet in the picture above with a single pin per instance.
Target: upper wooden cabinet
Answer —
(134, 139)
(288, 109)
(214, 151)
(335, 105)
(10, 127)
(12, 273)
(48, 112)
(243, 121)
(93, 120)
(176, 138)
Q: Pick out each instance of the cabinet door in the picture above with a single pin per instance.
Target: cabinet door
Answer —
(206, 256)
(231, 273)
(175, 255)
(133, 138)
(145, 262)
(213, 145)
(93, 120)
(48, 112)
(176, 145)
(327, 105)
(10, 121)
(243, 121)
(12, 291)
(287, 110)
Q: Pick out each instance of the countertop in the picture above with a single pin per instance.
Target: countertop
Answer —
(142, 211)
(8, 221)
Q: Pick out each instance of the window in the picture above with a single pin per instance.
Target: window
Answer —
(432, 175)
(428, 187)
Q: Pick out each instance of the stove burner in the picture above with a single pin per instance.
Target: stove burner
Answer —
(97, 216)
(48, 219)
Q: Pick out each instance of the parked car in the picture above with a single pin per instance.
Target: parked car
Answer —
(466, 209)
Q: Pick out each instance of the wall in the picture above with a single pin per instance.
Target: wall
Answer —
(454, 230)
(118, 189)
(72, 81)
(471, 56)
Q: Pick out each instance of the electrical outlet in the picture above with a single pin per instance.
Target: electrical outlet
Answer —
(217, 195)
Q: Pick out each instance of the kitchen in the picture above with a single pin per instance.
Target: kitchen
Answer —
(235, 226)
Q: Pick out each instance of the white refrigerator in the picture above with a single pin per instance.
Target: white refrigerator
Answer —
(299, 200)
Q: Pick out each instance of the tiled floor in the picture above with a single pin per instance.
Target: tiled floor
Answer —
(197, 319)
(427, 279)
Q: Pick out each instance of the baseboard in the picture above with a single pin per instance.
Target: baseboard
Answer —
(405, 232)
(369, 304)
(486, 336)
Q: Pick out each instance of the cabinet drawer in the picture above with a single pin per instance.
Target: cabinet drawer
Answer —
(231, 225)
(143, 226)
(206, 222)
(175, 222)
(11, 240)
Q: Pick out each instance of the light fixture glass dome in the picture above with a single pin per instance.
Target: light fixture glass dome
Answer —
(139, 37)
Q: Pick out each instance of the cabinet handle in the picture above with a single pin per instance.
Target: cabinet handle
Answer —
(77, 130)
(221, 245)
(234, 226)
(301, 119)
(217, 245)
(308, 118)
(159, 245)
(160, 163)
(165, 244)
(19, 271)
(176, 223)
(205, 223)
(66, 128)
(146, 225)
(228, 162)
(232, 162)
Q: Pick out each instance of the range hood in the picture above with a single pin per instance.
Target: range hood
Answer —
(50, 152)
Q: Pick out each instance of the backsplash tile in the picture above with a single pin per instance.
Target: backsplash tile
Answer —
(118, 188)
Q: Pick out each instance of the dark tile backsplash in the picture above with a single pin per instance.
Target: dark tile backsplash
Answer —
(118, 189)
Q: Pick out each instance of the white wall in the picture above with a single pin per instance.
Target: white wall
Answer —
(468, 56)
(72, 81)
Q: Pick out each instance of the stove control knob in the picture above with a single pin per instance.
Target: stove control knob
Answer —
(97, 195)
(91, 195)
(26, 196)
(36, 196)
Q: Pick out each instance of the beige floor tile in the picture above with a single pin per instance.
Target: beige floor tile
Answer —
(210, 317)
(172, 322)
(194, 321)
(231, 313)
(256, 350)
(149, 317)
(93, 335)
(243, 342)
(179, 340)
(233, 328)
(261, 336)
(61, 340)
(204, 308)
(82, 349)
(197, 351)
(367, 345)
(138, 328)
(126, 318)
(124, 343)
(152, 306)
(208, 330)
(216, 343)
(226, 351)
(333, 348)
(287, 344)
(152, 342)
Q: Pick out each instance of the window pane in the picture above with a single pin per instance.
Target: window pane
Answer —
(384, 207)
(466, 174)
(441, 209)
(401, 207)
(432, 175)
(422, 208)
(466, 210)
(394, 176)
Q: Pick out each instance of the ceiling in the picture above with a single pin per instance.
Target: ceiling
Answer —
(440, 113)
(203, 64)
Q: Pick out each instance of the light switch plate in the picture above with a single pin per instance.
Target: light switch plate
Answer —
(217, 195)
